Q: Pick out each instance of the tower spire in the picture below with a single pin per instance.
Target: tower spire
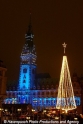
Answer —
(30, 18)
(64, 45)
(30, 26)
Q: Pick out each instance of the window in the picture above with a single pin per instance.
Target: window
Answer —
(38, 93)
(42, 93)
(47, 93)
(16, 93)
(24, 81)
(34, 93)
(47, 87)
(47, 101)
(52, 102)
(9, 95)
(52, 93)
(13, 94)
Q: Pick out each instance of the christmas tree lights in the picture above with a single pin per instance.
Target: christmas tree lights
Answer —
(65, 97)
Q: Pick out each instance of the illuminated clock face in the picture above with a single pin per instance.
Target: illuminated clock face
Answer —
(24, 70)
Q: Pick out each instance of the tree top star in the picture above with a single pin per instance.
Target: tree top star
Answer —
(64, 45)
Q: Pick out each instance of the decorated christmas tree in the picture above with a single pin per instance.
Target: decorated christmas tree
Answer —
(65, 97)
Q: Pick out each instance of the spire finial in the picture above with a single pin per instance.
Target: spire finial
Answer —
(30, 18)
(64, 45)
(29, 26)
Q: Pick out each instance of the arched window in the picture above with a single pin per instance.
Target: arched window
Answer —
(47, 93)
(52, 93)
(47, 86)
(34, 93)
(38, 93)
(13, 94)
(17, 93)
(9, 95)
(24, 81)
(42, 93)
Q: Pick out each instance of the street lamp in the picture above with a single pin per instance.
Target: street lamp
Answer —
(5, 112)
(33, 110)
(19, 111)
(56, 118)
(1, 114)
(44, 111)
(28, 118)
(75, 119)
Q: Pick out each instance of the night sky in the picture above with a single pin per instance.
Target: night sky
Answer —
(54, 22)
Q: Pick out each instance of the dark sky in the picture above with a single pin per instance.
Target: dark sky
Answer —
(54, 22)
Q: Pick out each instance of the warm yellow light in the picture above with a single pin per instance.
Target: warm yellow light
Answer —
(6, 110)
(75, 119)
(28, 118)
(65, 97)
(54, 112)
(56, 118)
(33, 110)
(81, 115)
(48, 115)
(18, 110)
(44, 111)
(66, 111)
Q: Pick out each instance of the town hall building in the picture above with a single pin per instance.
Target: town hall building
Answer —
(39, 90)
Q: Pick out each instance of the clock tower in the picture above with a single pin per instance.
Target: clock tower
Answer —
(28, 62)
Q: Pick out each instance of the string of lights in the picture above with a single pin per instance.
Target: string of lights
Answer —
(65, 97)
